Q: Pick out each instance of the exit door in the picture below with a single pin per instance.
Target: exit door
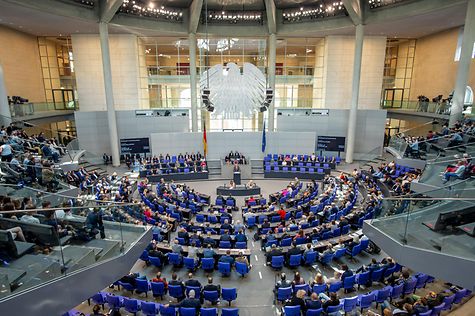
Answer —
(63, 99)
(392, 98)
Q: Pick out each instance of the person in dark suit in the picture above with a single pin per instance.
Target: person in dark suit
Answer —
(294, 250)
(190, 302)
(211, 287)
(227, 257)
(346, 272)
(274, 252)
(313, 302)
(192, 282)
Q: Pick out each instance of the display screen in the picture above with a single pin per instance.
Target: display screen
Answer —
(134, 145)
(331, 143)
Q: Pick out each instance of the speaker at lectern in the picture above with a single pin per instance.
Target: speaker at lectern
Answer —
(237, 174)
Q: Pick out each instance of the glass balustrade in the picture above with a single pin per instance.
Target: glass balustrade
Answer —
(60, 240)
(416, 106)
(435, 220)
(26, 109)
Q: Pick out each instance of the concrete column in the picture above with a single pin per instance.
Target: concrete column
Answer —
(5, 114)
(271, 77)
(107, 72)
(193, 90)
(355, 91)
(463, 69)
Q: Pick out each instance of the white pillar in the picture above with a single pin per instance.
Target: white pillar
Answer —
(463, 69)
(107, 72)
(193, 91)
(355, 91)
(271, 77)
(5, 114)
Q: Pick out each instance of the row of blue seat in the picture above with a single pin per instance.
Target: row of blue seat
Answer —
(207, 264)
(153, 309)
(350, 304)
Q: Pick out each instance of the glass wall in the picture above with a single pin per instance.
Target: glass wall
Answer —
(398, 69)
(299, 72)
(57, 64)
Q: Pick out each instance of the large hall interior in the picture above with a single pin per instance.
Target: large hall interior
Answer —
(237, 157)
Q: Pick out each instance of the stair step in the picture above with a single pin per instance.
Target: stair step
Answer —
(110, 248)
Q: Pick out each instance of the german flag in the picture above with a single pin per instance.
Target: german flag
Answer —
(205, 141)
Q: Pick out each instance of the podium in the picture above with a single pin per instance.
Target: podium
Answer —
(237, 177)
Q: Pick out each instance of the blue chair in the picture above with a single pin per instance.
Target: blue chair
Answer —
(304, 287)
(98, 298)
(167, 311)
(397, 291)
(113, 301)
(209, 311)
(284, 293)
(229, 202)
(149, 308)
(131, 305)
(230, 312)
(240, 245)
(142, 286)
(207, 264)
(428, 313)
(459, 296)
(190, 263)
(144, 255)
(349, 304)
(158, 289)
(437, 309)
(211, 296)
(335, 287)
(382, 295)
(364, 244)
(225, 244)
(126, 286)
(228, 294)
(242, 268)
(184, 311)
(176, 291)
(327, 258)
(314, 312)
(310, 258)
(292, 310)
(197, 290)
(286, 242)
(349, 283)
(448, 301)
(355, 251)
(421, 280)
(295, 260)
(251, 221)
(410, 286)
(363, 279)
(377, 275)
(333, 310)
(339, 253)
(345, 229)
(155, 261)
(175, 259)
(277, 262)
(365, 301)
(319, 288)
(224, 268)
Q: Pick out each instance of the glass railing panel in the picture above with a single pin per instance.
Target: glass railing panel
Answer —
(61, 240)
(25, 109)
(435, 224)
(398, 144)
(416, 106)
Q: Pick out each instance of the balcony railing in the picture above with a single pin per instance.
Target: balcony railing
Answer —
(416, 106)
(27, 109)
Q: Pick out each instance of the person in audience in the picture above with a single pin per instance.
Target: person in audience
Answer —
(346, 272)
(298, 280)
(94, 223)
(318, 280)
(209, 252)
(28, 216)
(298, 300)
(458, 173)
(158, 279)
(227, 257)
(328, 301)
(274, 252)
(175, 281)
(208, 240)
(242, 258)
(96, 311)
(190, 302)
(294, 250)
(282, 283)
(191, 282)
(177, 248)
(210, 287)
(314, 302)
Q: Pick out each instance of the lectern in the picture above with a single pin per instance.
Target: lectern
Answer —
(237, 177)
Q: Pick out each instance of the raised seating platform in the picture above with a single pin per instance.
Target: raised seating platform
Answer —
(292, 175)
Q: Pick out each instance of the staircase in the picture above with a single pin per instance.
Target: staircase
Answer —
(214, 169)
(257, 168)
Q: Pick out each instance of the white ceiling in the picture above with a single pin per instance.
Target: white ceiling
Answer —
(42, 23)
